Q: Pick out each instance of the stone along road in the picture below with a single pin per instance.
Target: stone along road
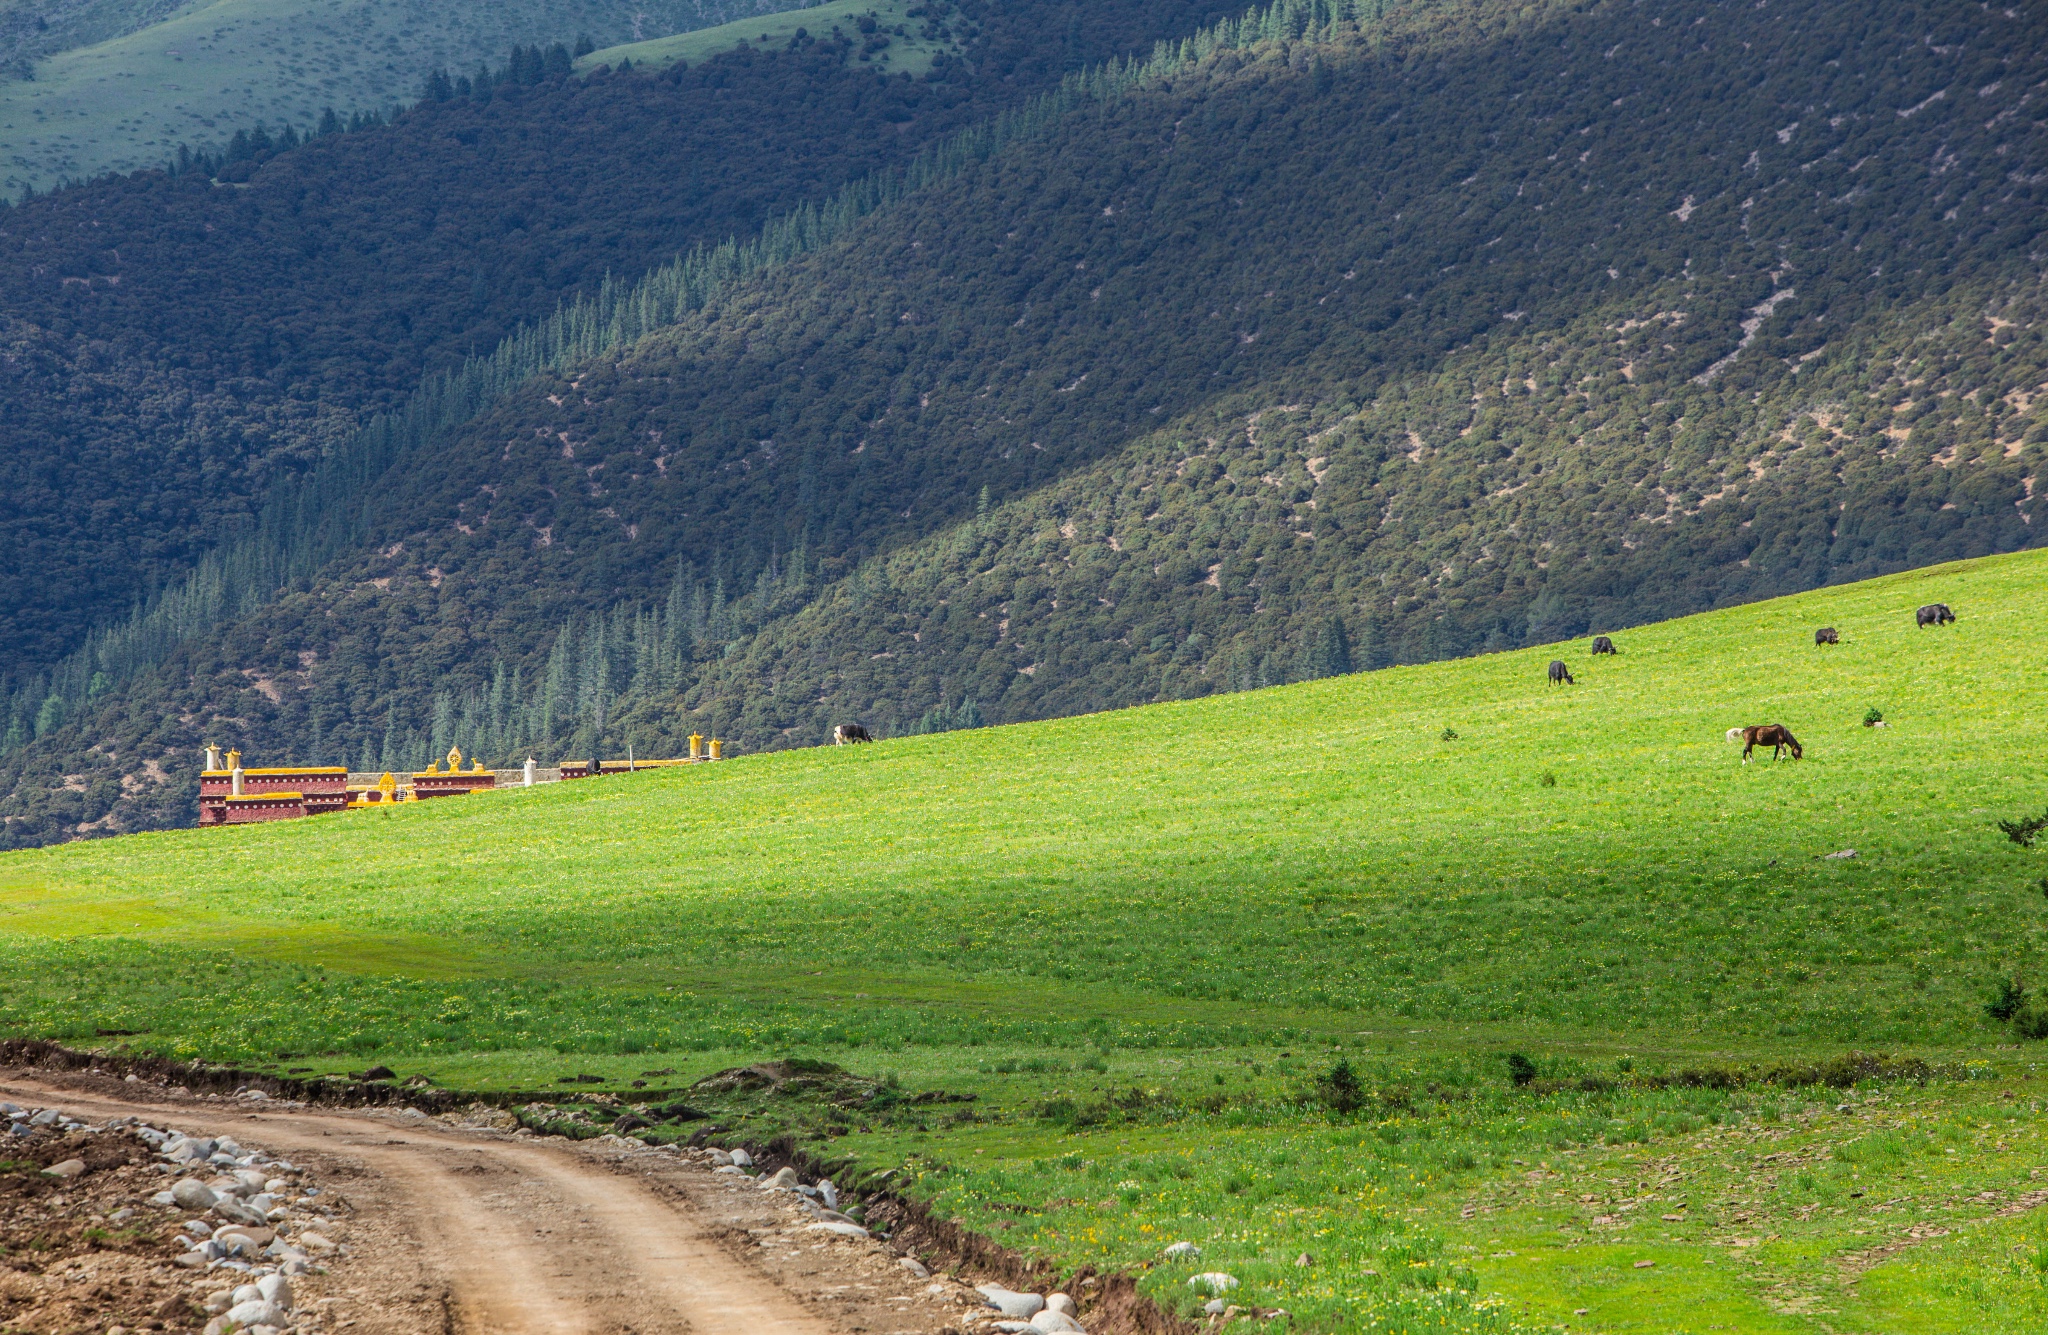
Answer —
(475, 1230)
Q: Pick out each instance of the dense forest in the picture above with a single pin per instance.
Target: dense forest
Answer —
(177, 343)
(1334, 339)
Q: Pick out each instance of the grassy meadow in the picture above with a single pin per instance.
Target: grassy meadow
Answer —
(1142, 940)
(212, 67)
(908, 52)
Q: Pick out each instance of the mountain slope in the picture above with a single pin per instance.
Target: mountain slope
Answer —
(179, 344)
(1429, 336)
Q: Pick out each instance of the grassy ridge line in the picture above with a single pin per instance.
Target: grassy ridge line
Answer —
(910, 55)
(127, 103)
(1312, 848)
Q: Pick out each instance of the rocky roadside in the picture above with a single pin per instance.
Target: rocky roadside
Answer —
(125, 1225)
(802, 1231)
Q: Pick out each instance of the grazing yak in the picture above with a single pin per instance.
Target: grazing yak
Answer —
(1774, 735)
(1560, 673)
(1934, 614)
(1827, 635)
(1603, 645)
(850, 732)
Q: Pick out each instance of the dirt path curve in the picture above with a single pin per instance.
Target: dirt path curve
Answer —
(482, 1233)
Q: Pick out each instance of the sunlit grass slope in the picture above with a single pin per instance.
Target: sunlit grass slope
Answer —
(1416, 869)
(217, 66)
(1589, 857)
(907, 52)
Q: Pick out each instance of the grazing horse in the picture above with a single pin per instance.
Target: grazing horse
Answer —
(1603, 645)
(1774, 735)
(1827, 635)
(850, 732)
(1560, 673)
(1934, 614)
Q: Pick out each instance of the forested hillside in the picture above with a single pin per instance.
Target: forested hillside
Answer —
(176, 344)
(1335, 340)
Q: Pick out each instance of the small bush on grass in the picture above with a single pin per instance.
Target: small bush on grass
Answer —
(2025, 830)
(1520, 1069)
(2006, 1000)
(1338, 1087)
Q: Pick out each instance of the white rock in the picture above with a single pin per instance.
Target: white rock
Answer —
(1016, 1306)
(47, 1117)
(258, 1313)
(1060, 1302)
(227, 1207)
(163, 1198)
(315, 1242)
(69, 1168)
(844, 1229)
(1055, 1323)
(1215, 1281)
(784, 1180)
(277, 1289)
(218, 1302)
(731, 1170)
(1214, 1307)
(721, 1158)
(193, 1194)
(915, 1267)
(743, 1159)
(828, 1193)
(246, 1293)
(1181, 1251)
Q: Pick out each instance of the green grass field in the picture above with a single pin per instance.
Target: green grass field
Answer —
(907, 52)
(217, 66)
(1142, 938)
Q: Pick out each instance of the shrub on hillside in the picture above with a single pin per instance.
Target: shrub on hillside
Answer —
(1520, 1069)
(2025, 830)
(2006, 1000)
(1338, 1087)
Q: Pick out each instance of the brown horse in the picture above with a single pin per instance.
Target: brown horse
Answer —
(1774, 735)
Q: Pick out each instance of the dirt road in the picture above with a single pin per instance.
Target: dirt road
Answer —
(474, 1230)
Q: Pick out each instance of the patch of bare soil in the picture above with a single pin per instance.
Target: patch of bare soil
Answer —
(80, 1253)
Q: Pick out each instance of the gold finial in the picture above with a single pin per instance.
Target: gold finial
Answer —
(455, 760)
(479, 768)
(387, 785)
(234, 760)
(717, 749)
(696, 745)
